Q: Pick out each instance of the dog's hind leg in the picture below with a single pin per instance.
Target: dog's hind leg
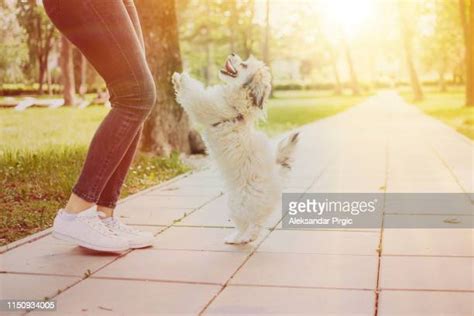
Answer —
(240, 229)
(251, 233)
(239, 237)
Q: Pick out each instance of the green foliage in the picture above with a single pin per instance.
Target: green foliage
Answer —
(210, 30)
(40, 36)
(442, 40)
(13, 50)
(38, 128)
(449, 108)
(290, 109)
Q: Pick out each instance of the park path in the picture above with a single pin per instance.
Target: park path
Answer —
(381, 145)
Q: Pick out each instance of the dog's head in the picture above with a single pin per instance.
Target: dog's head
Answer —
(250, 74)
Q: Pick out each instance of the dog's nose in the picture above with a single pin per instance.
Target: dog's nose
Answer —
(233, 54)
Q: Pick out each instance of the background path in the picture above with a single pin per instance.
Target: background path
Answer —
(382, 145)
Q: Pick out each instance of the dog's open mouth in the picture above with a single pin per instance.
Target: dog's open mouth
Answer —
(229, 69)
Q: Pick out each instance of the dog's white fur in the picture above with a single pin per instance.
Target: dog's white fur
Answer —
(253, 172)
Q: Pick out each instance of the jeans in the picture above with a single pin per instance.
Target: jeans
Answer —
(109, 35)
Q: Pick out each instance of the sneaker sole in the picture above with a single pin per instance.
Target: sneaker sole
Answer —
(85, 244)
(138, 246)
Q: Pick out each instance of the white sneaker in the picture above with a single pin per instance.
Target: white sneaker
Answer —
(87, 230)
(136, 238)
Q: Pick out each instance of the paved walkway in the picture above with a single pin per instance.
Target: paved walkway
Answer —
(381, 145)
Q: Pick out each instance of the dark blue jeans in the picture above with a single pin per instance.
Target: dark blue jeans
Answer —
(108, 33)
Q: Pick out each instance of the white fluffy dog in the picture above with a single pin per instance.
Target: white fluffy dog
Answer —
(253, 172)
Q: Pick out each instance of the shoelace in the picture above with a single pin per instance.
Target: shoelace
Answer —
(95, 223)
(116, 224)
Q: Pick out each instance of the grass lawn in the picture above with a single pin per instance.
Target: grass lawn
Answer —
(42, 150)
(447, 107)
(290, 109)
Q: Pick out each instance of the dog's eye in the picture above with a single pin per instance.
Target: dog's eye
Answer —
(244, 65)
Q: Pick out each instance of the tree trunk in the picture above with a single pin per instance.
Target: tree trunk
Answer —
(48, 79)
(248, 38)
(350, 64)
(67, 71)
(41, 74)
(466, 9)
(443, 87)
(80, 72)
(415, 83)
(442, 82)
(232, 25)
(167, 127)
(266, 41)
(407, 38)
(207, 67)
(337, 80)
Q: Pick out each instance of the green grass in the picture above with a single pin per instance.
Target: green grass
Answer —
(41, 154)
(290, 109)
(42, 151)
(447, 107)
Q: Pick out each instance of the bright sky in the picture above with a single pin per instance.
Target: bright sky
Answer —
(348, 15)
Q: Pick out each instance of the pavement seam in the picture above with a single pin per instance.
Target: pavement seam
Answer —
(380, 247)
(426, 290)
(451, 172)
(302, 287)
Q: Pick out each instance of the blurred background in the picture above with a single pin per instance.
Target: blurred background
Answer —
(325, 56)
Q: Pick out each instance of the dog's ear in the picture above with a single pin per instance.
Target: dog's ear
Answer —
(259, 87)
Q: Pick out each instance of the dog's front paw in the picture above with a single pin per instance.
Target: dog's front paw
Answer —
(239, 238)
(176, 80)
(233, 238)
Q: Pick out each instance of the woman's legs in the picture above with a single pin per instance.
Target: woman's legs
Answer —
(105, 34)
(109, 196)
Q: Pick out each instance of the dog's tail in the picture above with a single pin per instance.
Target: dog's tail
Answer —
(285, 150)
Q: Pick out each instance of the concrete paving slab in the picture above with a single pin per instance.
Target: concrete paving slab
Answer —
(131, 297)
(245, 300)
(33, 287)
(50, 256)
(175, 265)
(427, 273)
(309, 270)
(321, 242)
(416, 303)
(429, 242)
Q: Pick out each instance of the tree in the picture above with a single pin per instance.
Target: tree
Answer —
(407, 39)
(466, 9)
(335, 71)
(350, 64)
(266, 41)
(442, 44)
(41, 35)
(80, 71)
(233, 23)
(13, 50)
(67, 71)
(167, 127)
